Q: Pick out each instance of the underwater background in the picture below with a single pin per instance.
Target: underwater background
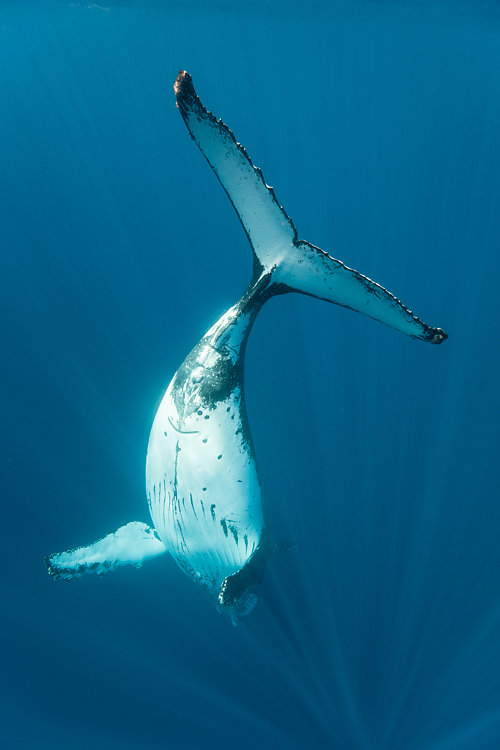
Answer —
(378, 124)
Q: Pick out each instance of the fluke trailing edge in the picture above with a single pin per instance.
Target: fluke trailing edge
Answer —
(201, 479)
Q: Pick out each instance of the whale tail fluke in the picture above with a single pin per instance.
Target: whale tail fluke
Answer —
(309, 270)
(292, 264)
(129, 545)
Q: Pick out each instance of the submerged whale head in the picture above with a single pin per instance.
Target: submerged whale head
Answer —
(237, 596)
(238, 607)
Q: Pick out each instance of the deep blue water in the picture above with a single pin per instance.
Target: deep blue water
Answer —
(378, 124)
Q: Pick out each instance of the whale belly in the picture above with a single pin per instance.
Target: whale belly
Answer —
(202, 486)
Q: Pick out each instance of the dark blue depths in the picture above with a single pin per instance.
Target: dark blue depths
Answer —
(378, 125)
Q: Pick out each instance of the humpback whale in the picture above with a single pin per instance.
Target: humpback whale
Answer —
(202, 485)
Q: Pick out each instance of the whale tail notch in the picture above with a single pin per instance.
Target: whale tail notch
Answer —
(129, 545)
(292, 264)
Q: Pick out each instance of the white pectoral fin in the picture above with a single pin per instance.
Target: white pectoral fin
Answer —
(310, 270)
(129, 545)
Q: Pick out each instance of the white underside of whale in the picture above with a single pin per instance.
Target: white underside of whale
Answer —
(202, 487)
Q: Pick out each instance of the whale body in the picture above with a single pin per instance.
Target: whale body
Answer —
(202, 485)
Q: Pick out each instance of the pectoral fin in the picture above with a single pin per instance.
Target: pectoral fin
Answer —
(129, 545)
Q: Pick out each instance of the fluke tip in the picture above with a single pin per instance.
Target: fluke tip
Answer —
(439, 336)
(183, 84)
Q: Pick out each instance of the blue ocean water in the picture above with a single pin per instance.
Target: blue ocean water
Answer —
(378, 125)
